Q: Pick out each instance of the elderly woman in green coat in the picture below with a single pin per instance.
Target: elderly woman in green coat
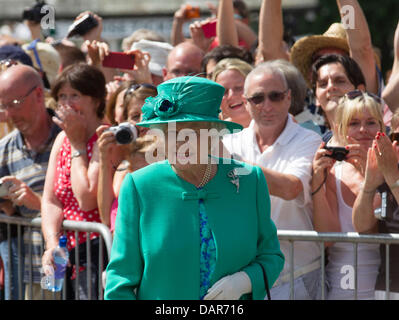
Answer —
(193, 226)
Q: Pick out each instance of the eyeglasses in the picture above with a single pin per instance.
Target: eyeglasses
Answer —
(273, 96)
(358, 93)
(16, 103)
(136, 86)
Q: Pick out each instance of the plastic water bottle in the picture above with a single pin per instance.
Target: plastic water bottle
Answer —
(54, 279)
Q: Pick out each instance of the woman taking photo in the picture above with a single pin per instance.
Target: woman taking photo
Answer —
(70, 190)
(337, 183)
(116, 160)
(193, 226)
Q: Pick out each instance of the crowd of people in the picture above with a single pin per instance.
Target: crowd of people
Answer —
(306, 141)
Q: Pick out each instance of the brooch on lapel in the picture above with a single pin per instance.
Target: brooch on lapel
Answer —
(235, 179)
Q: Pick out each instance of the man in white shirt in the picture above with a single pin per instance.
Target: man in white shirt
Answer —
(284, 150)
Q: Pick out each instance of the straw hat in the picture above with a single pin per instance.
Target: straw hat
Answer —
(186, 99)
(303, 50)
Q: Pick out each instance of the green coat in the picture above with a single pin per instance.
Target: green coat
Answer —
(156, 247)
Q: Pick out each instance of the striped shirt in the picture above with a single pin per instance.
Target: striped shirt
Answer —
(30, 167)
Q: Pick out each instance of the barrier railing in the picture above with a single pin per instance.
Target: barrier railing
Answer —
(105, 237)
(350, 237)
(290, 236)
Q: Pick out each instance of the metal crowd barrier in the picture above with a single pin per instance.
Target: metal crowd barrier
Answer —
(105, 237)
(284, 235)
(352, 237)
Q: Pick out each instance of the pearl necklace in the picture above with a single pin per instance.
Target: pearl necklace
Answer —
(207, 174)
(205, 178)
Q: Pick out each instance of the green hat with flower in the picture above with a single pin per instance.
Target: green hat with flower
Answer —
(185, 99)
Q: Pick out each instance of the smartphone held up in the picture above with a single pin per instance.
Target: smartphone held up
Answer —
(209, 29)
(119, 60)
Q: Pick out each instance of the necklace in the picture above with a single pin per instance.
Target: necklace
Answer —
(207, 174)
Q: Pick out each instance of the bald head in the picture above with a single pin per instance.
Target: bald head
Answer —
(184, 59)
(20, 76)
(23, 84)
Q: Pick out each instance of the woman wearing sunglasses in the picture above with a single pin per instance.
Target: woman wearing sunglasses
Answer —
(116, 159)
(335, 186)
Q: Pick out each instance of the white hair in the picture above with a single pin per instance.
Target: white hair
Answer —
(265, 68)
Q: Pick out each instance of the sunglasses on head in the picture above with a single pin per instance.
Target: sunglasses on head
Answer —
(6, 63)
(358, 93)
(274, 96)
(136, 86)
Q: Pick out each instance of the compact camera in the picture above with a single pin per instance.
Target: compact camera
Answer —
(4, 187)
(34, 13)
(82, 26)
(338, 153)
(124, 133)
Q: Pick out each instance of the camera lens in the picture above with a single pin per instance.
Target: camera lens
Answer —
(340, 156)
(124, 136)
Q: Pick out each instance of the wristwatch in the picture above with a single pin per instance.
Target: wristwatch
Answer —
(77, 153)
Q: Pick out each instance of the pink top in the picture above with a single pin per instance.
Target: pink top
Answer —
(64, 193)
(114, 210)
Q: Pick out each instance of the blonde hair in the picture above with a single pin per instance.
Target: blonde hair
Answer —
(231, 64)
(348, 108)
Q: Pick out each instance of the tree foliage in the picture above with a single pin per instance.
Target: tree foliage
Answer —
(382, 17)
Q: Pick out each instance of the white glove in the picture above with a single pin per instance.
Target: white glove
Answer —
(231, 287)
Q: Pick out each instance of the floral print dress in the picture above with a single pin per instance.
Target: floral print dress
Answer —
(207, 251)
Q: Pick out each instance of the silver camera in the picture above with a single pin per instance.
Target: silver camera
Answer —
(125, 133)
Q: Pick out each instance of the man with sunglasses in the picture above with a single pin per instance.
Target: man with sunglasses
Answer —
(284, 150)
(24, 154)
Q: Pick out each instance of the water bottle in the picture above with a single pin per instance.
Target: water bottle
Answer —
(54, 279)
